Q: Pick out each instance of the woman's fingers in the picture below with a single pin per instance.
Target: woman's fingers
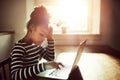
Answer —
(50, 34)
(60, 64)
(50, 29)
(53, 64)
(57, 65)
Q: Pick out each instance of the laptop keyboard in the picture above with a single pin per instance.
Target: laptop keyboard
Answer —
(59, 72)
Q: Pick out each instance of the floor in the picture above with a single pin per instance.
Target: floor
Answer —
(96, 64)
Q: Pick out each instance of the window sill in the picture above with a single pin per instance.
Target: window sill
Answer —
(75, 39)
(75, 34)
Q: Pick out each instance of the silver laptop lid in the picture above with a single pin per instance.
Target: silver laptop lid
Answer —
(79, 53)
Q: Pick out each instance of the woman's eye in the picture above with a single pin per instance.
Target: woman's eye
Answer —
(42, 35)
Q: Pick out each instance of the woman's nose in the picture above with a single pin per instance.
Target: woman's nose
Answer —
(43, 39)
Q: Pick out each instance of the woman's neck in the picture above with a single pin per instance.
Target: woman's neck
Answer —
(27, 38)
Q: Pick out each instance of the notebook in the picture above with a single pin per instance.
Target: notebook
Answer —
(65, 71)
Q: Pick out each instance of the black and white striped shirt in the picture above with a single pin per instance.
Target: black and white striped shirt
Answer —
(25, 58)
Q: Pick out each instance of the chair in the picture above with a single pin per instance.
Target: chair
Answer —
(5, 69)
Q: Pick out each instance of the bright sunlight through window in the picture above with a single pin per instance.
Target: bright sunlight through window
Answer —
(73, 16)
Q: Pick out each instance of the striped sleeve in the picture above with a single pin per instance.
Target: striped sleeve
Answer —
(48, 52)
(18, 70)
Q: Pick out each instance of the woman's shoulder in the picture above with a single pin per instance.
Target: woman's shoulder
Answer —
(19, 45)
(23, 45)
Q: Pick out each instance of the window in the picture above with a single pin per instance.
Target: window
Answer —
(73, 16)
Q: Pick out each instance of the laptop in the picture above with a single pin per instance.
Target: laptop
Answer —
(65, 71)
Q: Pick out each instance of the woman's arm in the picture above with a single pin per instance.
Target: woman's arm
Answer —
(48, 52)
(18, 71)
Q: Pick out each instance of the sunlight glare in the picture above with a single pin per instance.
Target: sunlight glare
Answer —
(71, 13)
(75, 12)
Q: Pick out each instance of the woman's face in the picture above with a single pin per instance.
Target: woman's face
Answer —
(38, 34)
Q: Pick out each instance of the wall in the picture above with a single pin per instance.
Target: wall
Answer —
(115, 28)
(13, 16)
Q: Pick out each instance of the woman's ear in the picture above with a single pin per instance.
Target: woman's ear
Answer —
(31, 27)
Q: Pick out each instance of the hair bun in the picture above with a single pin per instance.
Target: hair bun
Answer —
(40, 14)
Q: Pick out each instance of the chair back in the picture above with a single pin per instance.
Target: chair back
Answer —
(5, 69)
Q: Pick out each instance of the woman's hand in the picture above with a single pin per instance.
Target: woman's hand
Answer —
(54, 64)
(50, 33)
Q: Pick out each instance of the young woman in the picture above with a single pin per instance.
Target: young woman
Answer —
(27, 52)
